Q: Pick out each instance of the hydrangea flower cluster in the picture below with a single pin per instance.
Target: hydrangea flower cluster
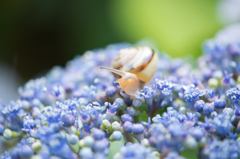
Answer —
(78, 111)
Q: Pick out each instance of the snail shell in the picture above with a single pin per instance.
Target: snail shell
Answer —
(134, 66)
(141, 61)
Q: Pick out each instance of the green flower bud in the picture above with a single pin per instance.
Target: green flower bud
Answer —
(213, 83)
(37, 146)
(9, 134)
(105, 124)
(190, 142)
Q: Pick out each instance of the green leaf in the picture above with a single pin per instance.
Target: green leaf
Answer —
(189, 154)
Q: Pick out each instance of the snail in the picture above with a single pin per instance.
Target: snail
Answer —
(135, 66)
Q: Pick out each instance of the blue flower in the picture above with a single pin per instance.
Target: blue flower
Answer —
(147, 124)
(147, 93)
(215, 49)
(6, 156)
(117, 135)
(197, 132)
(234, 95)
(220, 103)
(222, 125)
(137, 128)
(237, 112)
(176, 130)
(165, 88)
(130, 151)
(208, 108)
(78, 110)
(110, 91)
(173, 155)
(98, 134)
(126, 117)
(222, 149)
(51, 115)
(119, 102)
(68, 120)
(127, 126)
(86, 152)
(13, 114)
(131, 111)
(32, 89)
(172, 116)
(100, 145)
(137, 102)
(191, 116)
(2, 128)
(191, 95)
(157, 118)
(198, 106)
(211, 93)
(232, 136)
(227, 77)
(28, 123)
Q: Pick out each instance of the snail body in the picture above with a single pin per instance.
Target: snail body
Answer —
(128, 81)
(135, 66)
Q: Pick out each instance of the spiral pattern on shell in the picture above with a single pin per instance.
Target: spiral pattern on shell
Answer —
(141, 60)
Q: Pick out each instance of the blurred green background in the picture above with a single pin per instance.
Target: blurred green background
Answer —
(36, 35)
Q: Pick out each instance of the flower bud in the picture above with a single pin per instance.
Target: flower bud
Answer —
(86, 152)
(116, 136)
(88, 141)
(68, 120)
(137, 102)
(105, 124)
(190, 142)
(98, 134)
(36, 146)
(115, 126)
